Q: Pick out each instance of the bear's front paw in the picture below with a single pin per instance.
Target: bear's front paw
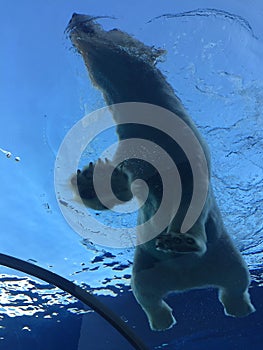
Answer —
(83, 183)
(174, 242)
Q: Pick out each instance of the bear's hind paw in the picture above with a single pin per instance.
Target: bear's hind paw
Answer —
(173, 242)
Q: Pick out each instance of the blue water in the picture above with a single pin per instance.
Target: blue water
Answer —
(214, 62)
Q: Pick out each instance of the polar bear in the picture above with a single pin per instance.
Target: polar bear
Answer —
(124, 69)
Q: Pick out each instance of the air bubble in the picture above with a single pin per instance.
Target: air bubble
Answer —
(8, 154)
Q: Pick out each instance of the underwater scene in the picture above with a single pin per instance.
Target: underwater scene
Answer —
(132, 132)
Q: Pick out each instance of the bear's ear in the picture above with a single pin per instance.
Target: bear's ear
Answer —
(78, 172)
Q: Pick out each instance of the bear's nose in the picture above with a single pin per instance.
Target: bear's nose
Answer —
(79, 18)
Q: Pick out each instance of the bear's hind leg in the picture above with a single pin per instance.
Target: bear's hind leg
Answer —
(149, 290)
(160, 316)
(236, 304)
(232, 277)
(158, 312)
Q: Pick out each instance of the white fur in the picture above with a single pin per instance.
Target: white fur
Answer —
(124, 70)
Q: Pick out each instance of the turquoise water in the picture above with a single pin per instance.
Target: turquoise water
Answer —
(214, 63)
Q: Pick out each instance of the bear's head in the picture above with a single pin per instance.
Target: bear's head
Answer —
(115, 60)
